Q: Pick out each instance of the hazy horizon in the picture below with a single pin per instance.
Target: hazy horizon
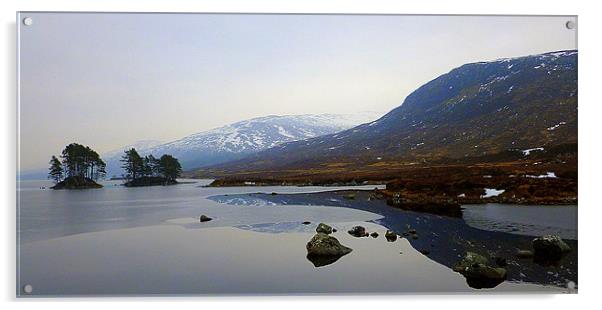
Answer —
(109, 80)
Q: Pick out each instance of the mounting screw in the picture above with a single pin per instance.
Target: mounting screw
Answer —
(27, 21)
(28, 289)
(570, 24)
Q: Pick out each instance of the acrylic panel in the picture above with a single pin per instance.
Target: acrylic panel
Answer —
(212, 154)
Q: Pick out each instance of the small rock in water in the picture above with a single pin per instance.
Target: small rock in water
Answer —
(391, 236)
(323, 228)
(323, 250)
(358, 231)
(274, 194)
(334, 230)
(524, 254)
(205, 218)
(477, 273)
(425, 252)
(414, 237)
(374, 235)
(412, 231)
(306, 223)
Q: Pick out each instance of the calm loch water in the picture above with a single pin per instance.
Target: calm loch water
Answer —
(136, 241)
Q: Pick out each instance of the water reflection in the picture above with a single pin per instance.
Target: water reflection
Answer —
(446, 239)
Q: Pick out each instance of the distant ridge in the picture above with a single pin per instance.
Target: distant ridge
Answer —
(476, 112)
(237, 140)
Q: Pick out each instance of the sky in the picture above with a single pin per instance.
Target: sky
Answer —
(108, 80)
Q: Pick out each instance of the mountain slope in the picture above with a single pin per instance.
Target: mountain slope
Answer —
(478, 110)
(237, 140)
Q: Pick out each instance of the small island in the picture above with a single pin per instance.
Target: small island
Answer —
(148, 170)
(80, 168)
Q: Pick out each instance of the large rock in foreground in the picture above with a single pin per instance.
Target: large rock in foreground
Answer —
(323, 250)
(477, 273)
(549, 247)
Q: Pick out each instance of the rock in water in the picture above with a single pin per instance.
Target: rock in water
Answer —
(477, 273)
(391, 236)
(323, 250)
(323, 228)
(306, 223)
(358, 231)
(469, 259)
(205, 218)
(374, 235)
(549, 247)
(524, 254)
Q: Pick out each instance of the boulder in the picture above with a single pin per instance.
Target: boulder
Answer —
(358, 231)
(323, 228)
(205, 218)
(323, 250)
(478, 273)
(549, 247)
(391, 236)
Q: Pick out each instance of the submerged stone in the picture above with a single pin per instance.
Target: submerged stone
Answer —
(524, 254)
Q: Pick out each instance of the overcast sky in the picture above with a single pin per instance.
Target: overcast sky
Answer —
(108, 80)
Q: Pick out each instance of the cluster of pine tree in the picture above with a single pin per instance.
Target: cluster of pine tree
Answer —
(136, 166)
(77, 161)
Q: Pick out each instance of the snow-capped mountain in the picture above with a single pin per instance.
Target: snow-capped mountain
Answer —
(139, 145)
(234, 141)
(478, 110)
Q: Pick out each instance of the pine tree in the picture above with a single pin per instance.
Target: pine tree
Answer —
(170, 167)
(82, 161)
(133, 164)
(56, 170)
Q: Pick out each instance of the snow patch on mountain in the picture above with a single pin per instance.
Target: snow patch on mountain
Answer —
(239, 139)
